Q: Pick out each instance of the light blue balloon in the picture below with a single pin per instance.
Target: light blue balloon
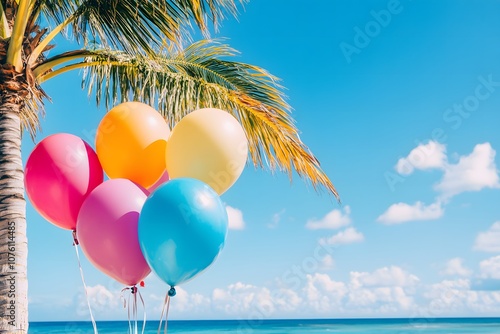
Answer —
(182, 228)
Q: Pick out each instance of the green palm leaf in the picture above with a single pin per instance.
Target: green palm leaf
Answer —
(197, 77)
(134, 25)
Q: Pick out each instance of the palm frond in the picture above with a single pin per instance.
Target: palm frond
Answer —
(213, 9)
(178, 83)
(29, 96)
(135, 25)
(32, 110)
(55, 10)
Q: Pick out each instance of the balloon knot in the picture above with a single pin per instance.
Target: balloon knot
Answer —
(75, 239)
(133, 289)
(172, 292)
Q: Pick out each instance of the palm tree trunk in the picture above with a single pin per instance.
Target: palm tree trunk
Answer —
(13, 241)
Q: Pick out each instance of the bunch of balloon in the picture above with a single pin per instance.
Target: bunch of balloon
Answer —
(160, 210)
(183, 223)
(61, 171)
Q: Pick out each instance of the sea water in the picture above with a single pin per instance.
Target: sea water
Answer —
(350, 326)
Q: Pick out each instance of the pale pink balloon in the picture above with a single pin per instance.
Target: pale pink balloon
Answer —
(107, 230)
(60, 172)
(164, 178)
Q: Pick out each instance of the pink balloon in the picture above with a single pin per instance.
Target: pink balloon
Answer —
(164, 178)
(107, 230)
(60, 172)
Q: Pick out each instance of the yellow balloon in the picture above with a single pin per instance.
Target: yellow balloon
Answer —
(209, 145)
(131, 143)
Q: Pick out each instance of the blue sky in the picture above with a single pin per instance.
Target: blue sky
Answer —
(400, 102)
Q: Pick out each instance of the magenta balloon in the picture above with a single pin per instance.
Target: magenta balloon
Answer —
(107, 230)
(60, 172)
(164, 178)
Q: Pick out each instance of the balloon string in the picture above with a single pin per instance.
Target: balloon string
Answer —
(166, 315)
(133, 308)
(166, 304)
(128, 308)
(136, 331)
(130, 318)
(76, 243)
(165, 309)
(144, 308)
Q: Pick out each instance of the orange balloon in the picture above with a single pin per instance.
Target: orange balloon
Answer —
(131, 143)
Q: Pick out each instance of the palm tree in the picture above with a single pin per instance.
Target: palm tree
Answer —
(129, 49)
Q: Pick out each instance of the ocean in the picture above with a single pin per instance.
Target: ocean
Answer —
(350, 326)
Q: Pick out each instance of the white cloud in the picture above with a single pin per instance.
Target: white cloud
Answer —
(389, 291)
(384, 277)
(347, 236)
(490, 268)
(335, 219)
(323, 294)
(185, 305)
(489, 241)
(402, 212)
(455, 297)
(473, 172)
(380, 300)
(438, 289)
(424, 156)
(448, 295)
(240, 298)
(101, 298)
(186, 302)
(317, 294)
(327, 263)
(455, 267)
(235, 217)
(104, 303)
(385, 291)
